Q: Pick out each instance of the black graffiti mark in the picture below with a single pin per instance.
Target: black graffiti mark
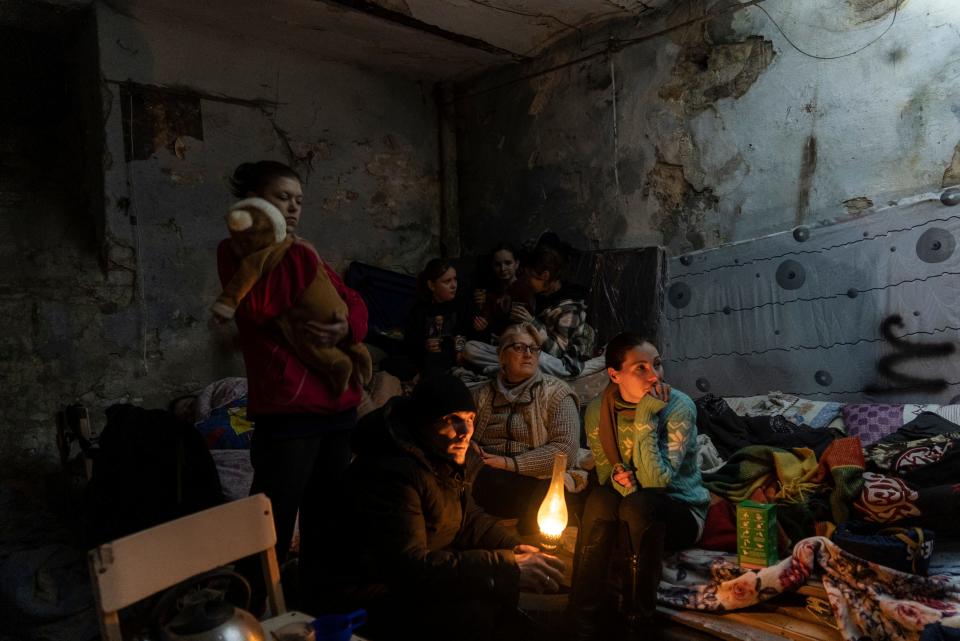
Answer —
(906, 351)
(821, 250)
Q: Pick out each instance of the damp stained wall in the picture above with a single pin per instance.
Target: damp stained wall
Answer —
(118, 303)
(715, 131)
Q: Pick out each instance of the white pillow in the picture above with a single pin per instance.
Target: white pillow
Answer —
(949, 412)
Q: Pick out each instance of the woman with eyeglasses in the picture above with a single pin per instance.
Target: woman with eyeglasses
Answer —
(644, 438)
(524, 418)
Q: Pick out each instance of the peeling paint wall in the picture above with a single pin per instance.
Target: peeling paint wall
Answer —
(714, 131)
(120, 305)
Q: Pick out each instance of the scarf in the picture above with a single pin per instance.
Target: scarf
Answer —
(515, 392)
(608, 424)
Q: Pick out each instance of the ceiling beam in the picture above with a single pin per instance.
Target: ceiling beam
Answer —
(374, 9)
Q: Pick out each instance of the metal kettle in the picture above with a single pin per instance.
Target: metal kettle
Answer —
(204, 614)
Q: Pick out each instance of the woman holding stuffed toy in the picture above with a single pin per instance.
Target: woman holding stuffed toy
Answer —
(644, 438)
(301, 444)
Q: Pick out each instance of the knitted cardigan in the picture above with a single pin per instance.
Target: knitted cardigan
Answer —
(538, 424)
(659, 444)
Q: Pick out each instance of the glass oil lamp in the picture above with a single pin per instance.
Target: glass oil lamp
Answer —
(552, 516)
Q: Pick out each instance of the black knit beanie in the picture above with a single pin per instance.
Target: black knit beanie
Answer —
(435, 397)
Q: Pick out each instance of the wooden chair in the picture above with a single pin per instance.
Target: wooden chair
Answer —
(134, 567)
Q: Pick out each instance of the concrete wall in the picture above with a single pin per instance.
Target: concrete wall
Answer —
(715, 131)
(120, 311)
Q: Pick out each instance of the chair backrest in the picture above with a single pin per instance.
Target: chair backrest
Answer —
(134, 567)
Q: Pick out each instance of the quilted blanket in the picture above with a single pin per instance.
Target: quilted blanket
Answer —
(869, 601)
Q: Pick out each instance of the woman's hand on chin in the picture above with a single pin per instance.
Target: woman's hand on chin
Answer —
(660, 391)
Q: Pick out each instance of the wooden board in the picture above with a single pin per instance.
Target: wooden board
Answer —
(136, 566)
(717, 625)
(752, 626)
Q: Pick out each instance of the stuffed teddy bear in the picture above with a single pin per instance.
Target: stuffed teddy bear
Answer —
(259, 233)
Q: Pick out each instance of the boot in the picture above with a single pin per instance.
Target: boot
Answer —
(639, 604)
(588, 596)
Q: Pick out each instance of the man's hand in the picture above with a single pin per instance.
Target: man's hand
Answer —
(329, 334)
(660, 391)
(539, 572)
(480, 323)
(433, 345)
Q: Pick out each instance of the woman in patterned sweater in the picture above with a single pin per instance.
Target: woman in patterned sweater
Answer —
(524, 419)
(644, 436)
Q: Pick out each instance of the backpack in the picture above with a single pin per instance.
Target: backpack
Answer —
(148, 468)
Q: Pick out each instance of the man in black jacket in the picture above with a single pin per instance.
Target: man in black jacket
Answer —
(417, 553)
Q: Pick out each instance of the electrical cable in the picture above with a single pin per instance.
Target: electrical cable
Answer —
(617, 45)
(526, 14)
(896, 11)
(139, 285)
(612, 46)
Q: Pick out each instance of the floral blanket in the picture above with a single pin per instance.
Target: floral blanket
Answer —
(869, 601)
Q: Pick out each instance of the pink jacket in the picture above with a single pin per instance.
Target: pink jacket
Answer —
(278, 382)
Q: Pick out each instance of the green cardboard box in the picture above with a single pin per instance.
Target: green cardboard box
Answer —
(757, 534)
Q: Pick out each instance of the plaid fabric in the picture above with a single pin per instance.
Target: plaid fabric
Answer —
(843, 464)
(569, 337)
(792, 473)
(871, 422)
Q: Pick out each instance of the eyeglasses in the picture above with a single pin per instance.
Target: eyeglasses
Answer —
(523, 348)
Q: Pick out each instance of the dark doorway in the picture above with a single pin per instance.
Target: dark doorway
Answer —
(51, 169)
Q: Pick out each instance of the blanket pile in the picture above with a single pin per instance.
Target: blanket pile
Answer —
(869, 601)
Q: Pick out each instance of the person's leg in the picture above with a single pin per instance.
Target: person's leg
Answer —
(650, 515)
(481, 356)
(550, 364)
(594, 545)
(319, 517)
(281, 470)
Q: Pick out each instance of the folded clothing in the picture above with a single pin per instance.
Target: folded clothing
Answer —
(889, 499)
(731, 432)
(924, 452)
(799, 411)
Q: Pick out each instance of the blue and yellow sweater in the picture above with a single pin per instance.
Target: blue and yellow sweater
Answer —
(659, 442)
